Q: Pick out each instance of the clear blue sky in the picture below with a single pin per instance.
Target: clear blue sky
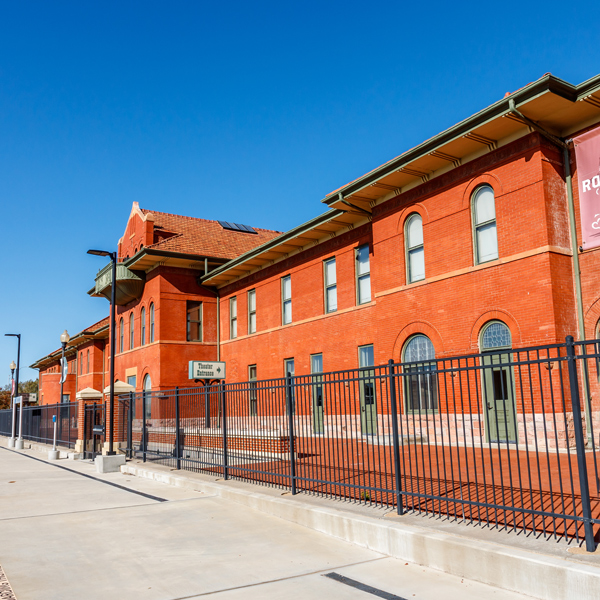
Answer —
(243, 111)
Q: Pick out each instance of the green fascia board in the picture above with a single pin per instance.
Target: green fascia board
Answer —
(547, 83)
(288, 235)
(130, 263)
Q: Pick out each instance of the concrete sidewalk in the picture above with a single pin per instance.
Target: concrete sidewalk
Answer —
(69, 533)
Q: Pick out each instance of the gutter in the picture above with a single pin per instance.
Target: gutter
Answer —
(288, 235)
(564, 144)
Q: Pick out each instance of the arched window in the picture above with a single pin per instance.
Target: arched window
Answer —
(121, 334)
(88, 361)
(147, 394)
(421, 381)
(81, 363)
(151, 322)
(494, 336)
(131, 341)
(415, 255)
(143, 326)
(484, 224)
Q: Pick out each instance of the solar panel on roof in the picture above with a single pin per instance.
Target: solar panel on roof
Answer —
(236, 227)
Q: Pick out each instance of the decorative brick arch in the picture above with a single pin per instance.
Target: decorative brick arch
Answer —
(591, 318)
(497, 314)
(409, 210)
(488, 178)
(412, 329)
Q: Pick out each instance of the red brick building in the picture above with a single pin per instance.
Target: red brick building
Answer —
(464, 243)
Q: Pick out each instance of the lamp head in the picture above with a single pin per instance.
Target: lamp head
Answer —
(13, 366)
(64, 337)
(99, 252)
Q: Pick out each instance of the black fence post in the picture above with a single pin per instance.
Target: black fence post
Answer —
(130, 425)
(586, 508)
(224, 416)
(290, 411)
(396, 440)
(144, 426)
(206, 406)
(177, 438)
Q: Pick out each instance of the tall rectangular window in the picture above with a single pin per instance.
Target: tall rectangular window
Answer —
(194, 321)
(363, 275)
(252, 311)
(330, 286)
(143, 327)
(286, 300)
(131, 341)
(253, 391)
(232, 318)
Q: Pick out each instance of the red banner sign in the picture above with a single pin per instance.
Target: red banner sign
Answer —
(587, 153)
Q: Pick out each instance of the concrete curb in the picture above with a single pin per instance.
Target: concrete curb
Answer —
(511, 568)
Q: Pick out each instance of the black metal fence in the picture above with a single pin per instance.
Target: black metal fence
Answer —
(38, 425)
(507, 438)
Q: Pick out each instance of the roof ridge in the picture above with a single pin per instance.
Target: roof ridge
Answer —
(158, 212)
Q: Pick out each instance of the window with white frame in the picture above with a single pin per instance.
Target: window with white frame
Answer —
(143, 327)
(286, 300)
(330, 286)
(252, 311)
(363, 275)
(484, 224)
(152, 323)
(233, 318)
(121, 334)
(131, 327)
(415, 255)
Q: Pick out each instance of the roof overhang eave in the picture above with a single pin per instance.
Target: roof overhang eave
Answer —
(546, 84)
(267, 246)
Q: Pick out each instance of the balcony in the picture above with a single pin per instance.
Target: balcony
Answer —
(130, 285)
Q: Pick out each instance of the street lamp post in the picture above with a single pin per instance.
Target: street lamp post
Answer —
(64, 339)
(11, 441)
(113, 296)
(19, 442)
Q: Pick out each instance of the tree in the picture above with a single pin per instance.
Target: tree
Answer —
(4, 399)
(28, 387)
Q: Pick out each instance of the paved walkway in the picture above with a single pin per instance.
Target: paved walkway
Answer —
(69, 533)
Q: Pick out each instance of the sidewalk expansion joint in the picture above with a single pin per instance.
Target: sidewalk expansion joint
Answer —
(116, 485)
(267, 582)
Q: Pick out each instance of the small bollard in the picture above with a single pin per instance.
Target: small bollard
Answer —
(54, 453)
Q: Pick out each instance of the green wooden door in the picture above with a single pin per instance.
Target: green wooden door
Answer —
(316, 368)
(498, 397)
(368, 406)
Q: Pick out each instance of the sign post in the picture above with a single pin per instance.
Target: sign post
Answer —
(19, 445)
(54, 453)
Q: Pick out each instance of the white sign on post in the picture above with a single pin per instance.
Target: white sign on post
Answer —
(64, 367)
(206, 369)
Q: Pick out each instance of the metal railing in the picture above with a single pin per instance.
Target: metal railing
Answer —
(498, 438)
(38, 425)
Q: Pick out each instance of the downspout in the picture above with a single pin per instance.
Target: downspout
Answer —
(564, 145)
(218, 325)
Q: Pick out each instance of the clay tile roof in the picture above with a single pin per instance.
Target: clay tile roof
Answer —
(205, 238)
(99, 325)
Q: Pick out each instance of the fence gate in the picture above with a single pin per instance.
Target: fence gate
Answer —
(94, 429)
